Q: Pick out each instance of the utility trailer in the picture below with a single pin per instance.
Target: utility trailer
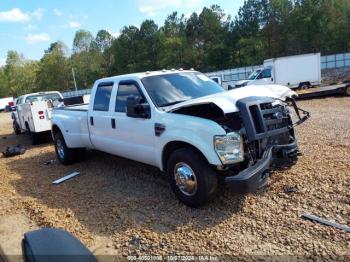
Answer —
(338, 89)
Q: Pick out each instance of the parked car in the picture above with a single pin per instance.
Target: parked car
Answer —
(188, 126)
(300, 71)
(32, 113)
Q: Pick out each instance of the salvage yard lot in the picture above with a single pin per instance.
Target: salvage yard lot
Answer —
(117, 206)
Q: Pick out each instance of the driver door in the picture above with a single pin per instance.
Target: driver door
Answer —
(265, 77)
(134, 138)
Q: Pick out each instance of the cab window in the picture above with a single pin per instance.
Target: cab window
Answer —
(103, 96)
(126, 89)
(266, 73)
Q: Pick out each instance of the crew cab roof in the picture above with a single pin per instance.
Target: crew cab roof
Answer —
(142, 75)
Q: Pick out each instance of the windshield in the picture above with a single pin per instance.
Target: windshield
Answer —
(254, 75)
(43, 97)
(170, 89)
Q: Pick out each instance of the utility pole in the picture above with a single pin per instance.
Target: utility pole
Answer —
(75, 82)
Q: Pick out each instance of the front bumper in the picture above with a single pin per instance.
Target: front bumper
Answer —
(256, 175)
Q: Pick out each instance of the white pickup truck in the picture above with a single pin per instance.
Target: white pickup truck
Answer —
(32, 113)
(187, 125)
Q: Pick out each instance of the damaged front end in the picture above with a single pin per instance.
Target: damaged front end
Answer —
(266, 138)
(269, 139)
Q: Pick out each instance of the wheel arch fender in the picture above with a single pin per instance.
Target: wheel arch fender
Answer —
(56, 127)
(170, 146)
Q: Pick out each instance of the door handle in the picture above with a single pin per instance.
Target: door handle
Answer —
(91, 120)
(113, 123)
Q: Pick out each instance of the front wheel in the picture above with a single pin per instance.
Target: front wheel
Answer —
(191, 177)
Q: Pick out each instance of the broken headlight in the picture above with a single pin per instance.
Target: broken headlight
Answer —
(229, 148)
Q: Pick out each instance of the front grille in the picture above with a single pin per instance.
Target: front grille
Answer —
(261, 119)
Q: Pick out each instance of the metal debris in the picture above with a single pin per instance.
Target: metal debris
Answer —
(291, 189)
(50, 162)
(62, 179)
(326, 222)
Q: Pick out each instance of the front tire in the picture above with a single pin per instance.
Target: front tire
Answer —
(191, 177)
(64, 154)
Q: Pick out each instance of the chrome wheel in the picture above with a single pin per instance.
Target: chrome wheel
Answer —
(347, 91)
(185, 179)
(60, 148)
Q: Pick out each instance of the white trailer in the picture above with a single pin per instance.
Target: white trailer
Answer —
(300, 71)
(33, 113)
(5, 102)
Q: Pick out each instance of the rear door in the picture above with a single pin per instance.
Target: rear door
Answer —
(99, 118)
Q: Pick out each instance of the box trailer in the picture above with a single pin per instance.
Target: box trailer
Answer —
(300, 71)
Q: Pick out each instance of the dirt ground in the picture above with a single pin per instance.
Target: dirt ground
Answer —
(120, 207)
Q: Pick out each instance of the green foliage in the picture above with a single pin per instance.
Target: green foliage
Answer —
(210, 40)
(54, 69)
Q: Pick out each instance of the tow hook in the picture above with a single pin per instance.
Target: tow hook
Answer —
(266, 174)
(264, 178)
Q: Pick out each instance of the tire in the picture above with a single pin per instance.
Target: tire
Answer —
(64, 154)
(34, 137)
(202, 180)
(347, 90)
(16, 128)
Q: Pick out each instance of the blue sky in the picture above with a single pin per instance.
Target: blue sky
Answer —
(29, 26)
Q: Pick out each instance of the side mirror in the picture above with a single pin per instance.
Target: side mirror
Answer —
(136, 108)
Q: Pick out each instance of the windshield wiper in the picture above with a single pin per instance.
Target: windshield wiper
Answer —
(173, 103)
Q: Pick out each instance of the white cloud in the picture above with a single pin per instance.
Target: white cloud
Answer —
(152, 7)
(30, 27)
(2, 61)
(38, 13)
(36, 38)
(114, 34)
(188, 15)
(74, 24)
(14, 15)
(57, 12)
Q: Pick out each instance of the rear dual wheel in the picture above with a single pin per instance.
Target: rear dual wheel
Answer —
(16, 128)
(347, 90)
(65, 154)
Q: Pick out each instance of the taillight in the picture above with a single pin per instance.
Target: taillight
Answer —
(41, 114)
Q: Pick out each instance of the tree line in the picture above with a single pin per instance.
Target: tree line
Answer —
(208, 41)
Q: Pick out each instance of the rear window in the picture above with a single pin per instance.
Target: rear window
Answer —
(43, 97)
(103, 97)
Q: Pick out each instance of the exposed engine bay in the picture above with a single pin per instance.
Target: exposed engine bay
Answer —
(263, 122)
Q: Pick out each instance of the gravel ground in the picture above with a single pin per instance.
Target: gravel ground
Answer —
(117, 206)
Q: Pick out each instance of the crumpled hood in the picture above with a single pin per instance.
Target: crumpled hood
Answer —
(227, 100)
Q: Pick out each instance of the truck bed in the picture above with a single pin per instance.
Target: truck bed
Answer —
(74, 121)
(83, 107)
